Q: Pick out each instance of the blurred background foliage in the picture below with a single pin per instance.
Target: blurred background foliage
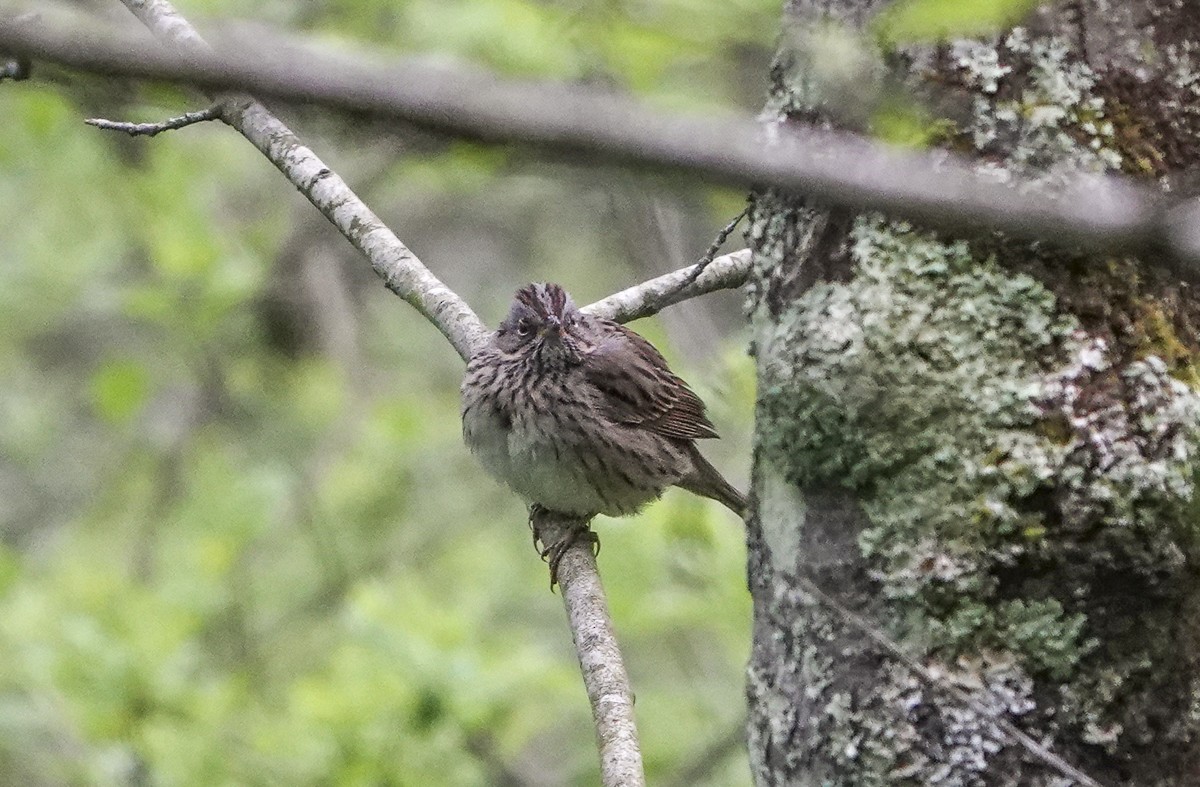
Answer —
(242, 542)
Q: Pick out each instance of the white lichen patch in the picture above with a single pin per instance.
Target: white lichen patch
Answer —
(782, 517)
(886, 735)
(1049, 124)
(981, 63)
(1124, 454)
(1182, 71)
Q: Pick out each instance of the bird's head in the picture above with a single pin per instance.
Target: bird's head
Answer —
(544, 323)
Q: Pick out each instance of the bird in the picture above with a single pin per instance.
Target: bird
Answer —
(581, 416)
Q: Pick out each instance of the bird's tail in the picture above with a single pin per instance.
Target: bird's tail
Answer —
(707, 481)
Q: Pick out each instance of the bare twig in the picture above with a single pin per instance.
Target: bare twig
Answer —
(399, 268)
(937, 684)
(600, 661)
(939, 190)
(150, 129)
(706, 260)
(650, 297)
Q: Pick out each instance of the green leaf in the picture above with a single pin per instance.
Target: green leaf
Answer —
(119, 389)
(903, 125)
(936, 20)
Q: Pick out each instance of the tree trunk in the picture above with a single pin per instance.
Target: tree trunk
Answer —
(985, 448)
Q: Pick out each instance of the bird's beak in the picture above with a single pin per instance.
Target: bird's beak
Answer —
(552, 327)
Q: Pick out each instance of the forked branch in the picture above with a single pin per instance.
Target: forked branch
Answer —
(600, 658)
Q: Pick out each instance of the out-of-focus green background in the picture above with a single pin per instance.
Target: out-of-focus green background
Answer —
(242, 542)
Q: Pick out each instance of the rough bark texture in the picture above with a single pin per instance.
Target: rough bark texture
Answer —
(986, 447)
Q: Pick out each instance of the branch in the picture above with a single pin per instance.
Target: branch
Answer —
(939, 190)
(709, 255)
(600, 661)
(399, 268)
(650, 297)
(150, 129)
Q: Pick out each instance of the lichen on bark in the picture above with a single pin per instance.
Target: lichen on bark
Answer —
(987, 447)
(982, 434)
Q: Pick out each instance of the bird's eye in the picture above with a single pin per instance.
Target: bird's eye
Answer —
(524, 328)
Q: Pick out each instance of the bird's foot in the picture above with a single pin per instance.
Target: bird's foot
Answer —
(553, 553)
(576, 531)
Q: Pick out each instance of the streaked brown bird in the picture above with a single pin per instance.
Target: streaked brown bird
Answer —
(582, 416)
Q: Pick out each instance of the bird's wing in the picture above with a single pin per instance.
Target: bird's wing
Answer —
(637, 388)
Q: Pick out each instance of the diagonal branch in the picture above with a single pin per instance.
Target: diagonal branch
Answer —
(604, 676)
(600, 658)
(400, 269)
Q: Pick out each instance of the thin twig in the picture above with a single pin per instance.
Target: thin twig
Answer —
(934, 683)
(703, 263)
(150, 129)
(600, 660)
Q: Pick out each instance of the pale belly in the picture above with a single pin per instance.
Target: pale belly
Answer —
(557, 475)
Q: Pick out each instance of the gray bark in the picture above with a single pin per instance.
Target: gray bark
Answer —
(985, 447)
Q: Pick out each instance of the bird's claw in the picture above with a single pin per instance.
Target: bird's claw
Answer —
(553, 553)
(535, 510)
